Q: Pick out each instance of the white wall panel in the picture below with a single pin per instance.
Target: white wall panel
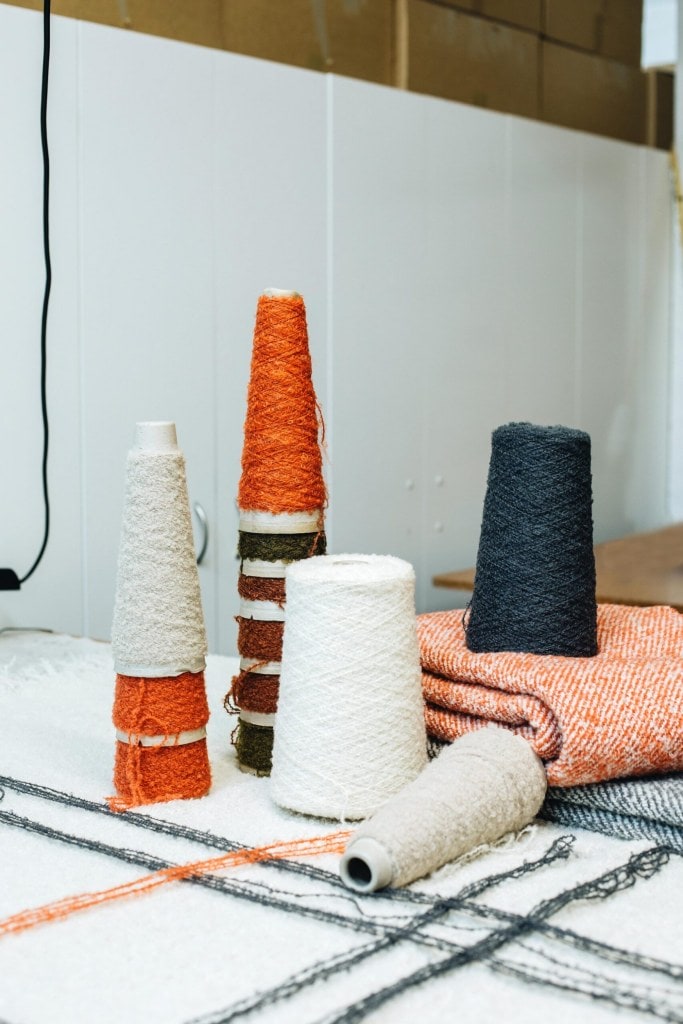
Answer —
(269, 221)
(147, 286)
(464, 354)
(461, 268)
(381, 328)
(540, 315)
(52, 598)
(624, 334)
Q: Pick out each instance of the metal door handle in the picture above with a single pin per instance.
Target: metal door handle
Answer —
(204, 524)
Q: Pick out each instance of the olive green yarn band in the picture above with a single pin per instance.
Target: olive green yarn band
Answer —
(285, 547)
(254, 746)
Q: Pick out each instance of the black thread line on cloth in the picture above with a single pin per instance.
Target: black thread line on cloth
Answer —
(641, 865)
(529, 950)
(323, 970)
(214, 883)
(559, 847)
(534, 585)
(616, 996)
(613, 954)
(154, 863)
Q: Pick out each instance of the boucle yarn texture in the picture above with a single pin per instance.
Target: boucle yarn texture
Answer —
(479, 788)
(590, 719)
(158, 627)
(349, 727)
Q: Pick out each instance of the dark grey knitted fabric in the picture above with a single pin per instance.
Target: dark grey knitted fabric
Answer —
(643, 808)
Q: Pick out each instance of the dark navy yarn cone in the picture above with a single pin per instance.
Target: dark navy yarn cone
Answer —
(534, 588)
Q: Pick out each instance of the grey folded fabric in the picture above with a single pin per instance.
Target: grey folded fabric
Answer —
(642, 808)
(650, 807)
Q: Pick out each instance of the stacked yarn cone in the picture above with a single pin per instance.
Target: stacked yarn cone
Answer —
(281, 504)
(158, 635)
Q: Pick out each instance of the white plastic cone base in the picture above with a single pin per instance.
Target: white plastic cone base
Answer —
(366, 866)
(156, 437)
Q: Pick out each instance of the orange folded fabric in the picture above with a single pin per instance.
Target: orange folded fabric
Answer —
(616, 714)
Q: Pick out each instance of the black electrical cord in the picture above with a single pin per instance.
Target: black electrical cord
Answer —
(48, 277)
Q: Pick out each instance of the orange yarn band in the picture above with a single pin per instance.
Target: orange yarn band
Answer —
(281, 459)
(21, 922)
(150, 775)
(159, 707)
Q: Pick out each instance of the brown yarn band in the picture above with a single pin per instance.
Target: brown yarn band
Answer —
(281, 547)
(254, 747)
(253, 692)
(160, 707)
(258, 588)
(261, 639)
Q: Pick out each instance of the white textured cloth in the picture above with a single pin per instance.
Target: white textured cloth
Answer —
(158, 627)
(185, 952)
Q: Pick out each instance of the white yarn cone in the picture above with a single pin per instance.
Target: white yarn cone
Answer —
(158, 627)
(484, 785)
(349, 730)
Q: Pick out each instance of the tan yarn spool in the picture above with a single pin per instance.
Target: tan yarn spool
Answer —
(484, 785)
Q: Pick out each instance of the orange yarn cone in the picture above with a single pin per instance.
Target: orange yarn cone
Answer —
(281, 458)
(158, 637)
(281, 498)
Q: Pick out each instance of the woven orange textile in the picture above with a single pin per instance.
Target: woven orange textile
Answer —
(619, 713)
(281, 457)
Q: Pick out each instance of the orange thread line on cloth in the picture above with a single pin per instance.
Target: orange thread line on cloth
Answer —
(259, 638)
(259, 588)
(160, 707)
(281, 456)
(60, 909)
(252, 691)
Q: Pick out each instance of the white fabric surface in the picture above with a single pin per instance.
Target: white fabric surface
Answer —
(184, 952)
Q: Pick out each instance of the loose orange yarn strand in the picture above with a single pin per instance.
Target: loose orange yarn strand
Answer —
(281, 457)
(59, 909)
